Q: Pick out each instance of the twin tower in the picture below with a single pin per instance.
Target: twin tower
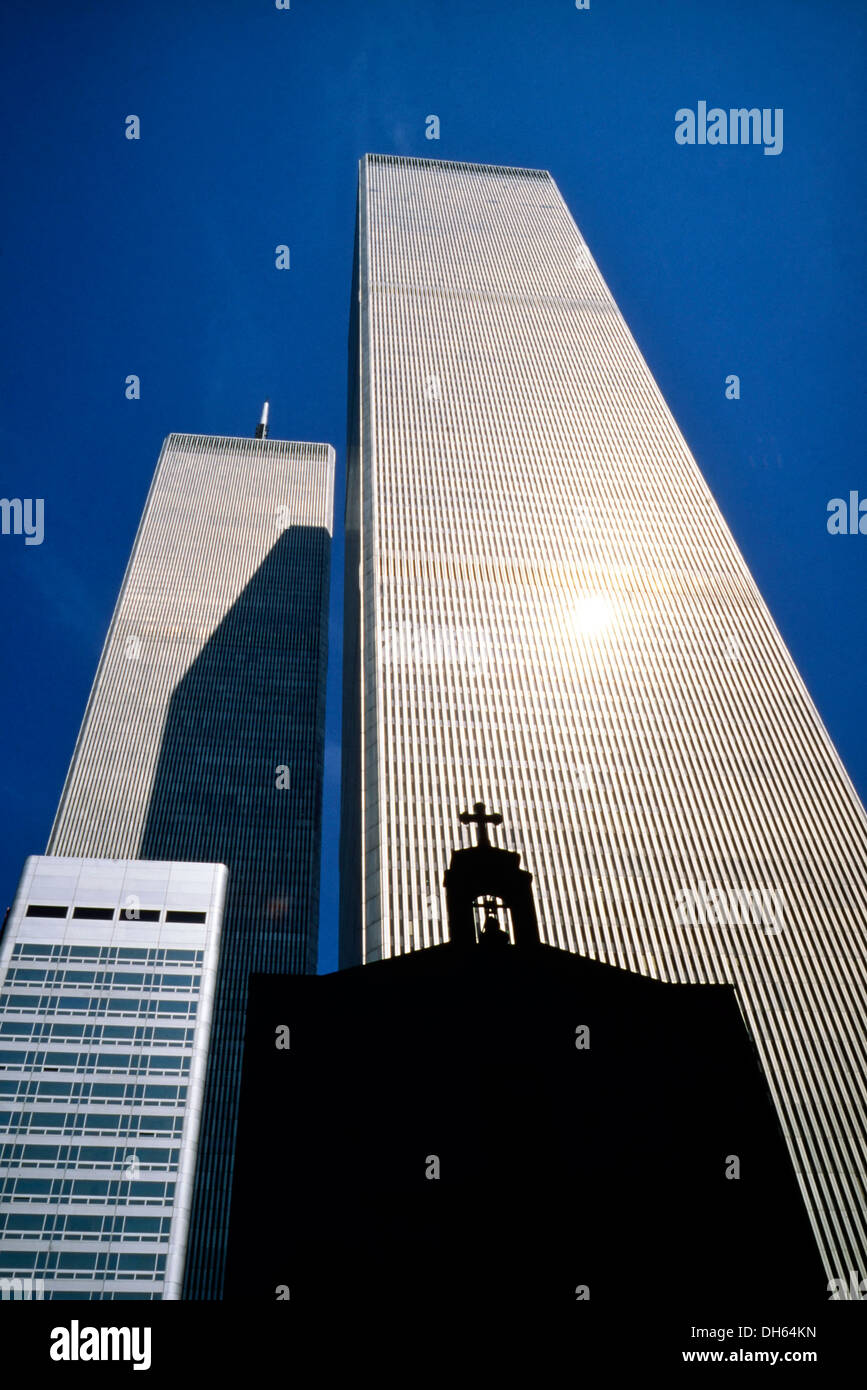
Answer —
(544, 609)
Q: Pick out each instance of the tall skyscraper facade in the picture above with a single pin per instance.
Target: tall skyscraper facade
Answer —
(545, 609)
(203, 737)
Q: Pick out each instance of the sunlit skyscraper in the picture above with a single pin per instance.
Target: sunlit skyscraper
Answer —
(201, 748)
(546, 610)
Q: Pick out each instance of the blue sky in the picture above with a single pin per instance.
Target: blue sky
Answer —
(156, 257)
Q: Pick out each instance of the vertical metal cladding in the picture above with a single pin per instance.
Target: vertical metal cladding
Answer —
(546, 609)
(212, 679)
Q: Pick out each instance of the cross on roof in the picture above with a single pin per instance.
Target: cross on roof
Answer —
(482, 820)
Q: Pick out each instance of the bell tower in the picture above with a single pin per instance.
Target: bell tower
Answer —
(489, 897)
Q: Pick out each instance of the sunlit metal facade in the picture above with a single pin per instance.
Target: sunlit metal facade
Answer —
(204, 734)
(546, 609)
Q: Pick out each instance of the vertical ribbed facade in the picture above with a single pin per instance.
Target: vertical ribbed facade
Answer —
(203, 738)
(545, 609)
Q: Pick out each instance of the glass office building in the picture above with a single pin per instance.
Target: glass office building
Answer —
(203, 738)
(107, 978)
(545, 610)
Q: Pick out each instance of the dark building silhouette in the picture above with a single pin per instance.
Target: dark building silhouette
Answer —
(508, 1124)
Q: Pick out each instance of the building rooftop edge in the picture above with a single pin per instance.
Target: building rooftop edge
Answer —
(425, 162)
(250, 439)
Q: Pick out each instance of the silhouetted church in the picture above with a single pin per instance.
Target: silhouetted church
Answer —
(494, 1121)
